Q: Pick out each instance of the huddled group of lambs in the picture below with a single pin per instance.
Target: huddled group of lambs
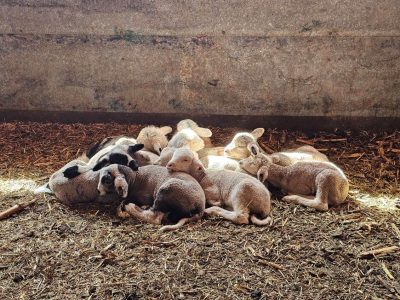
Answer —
(178, 181)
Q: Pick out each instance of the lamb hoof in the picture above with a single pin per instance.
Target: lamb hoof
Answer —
(290, 199)
(121, 212)
(210, 212)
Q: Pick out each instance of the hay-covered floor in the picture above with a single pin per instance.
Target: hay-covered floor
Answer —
(50, 251)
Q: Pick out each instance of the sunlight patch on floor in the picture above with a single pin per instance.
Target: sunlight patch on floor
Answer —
(383, 202)
(8, 186)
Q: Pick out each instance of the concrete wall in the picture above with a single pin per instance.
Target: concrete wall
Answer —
(262, 58)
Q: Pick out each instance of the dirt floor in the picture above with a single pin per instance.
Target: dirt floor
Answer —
(50, 251)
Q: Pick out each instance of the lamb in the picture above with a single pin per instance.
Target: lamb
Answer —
(104, 156)
(153, 138)
(220, 163)
(187, 137)
(237, 148)
(165, 156)
(81, 188)
(176, 197)
(120, 154)
(204, 133)
(244, 196)
(323, 179)
(303, 153)
(113, 154)
(191, 135)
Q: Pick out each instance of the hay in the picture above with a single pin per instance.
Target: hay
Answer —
(50, 251)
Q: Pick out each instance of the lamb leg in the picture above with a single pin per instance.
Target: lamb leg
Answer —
(181, 222)
(235, 217)
(317, 203)
(149, 216)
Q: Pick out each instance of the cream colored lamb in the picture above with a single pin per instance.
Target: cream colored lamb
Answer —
(209, 161)
(322, 179)
(172, 197)
(166, 155)
(194, 137)
(220, 163)
(291, 156)
(187, 138)
(154, 138)
(237, 148)
(243, 197)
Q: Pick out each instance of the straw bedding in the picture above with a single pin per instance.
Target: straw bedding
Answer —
(50, 251)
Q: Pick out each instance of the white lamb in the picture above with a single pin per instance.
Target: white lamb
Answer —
(243, 197)
(322, 179)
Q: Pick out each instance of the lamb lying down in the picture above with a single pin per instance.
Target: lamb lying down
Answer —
(78, 189)
(291, 156)
(174, 198)
(243, 197)
(119, 154)
(220, 163)
(209, 161)
(153, 138)
(238, 147)
(322, 179)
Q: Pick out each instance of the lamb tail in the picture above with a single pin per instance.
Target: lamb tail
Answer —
(45, 188)
(181, 222)
(261, 222)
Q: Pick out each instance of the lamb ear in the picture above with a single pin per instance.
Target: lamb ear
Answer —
(133, 165)
(253, 148)
(102, 163)
(165, 130)
(262, 174)
(203, 132)
(134, 148)
(258, 132)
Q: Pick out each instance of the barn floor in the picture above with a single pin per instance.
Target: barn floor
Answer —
(50, 251)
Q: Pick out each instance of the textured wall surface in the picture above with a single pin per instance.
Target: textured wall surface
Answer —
(263, 58)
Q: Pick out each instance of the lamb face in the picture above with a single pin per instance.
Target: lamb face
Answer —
(154, 138)
(255, 161)
(237, 148)
(184, 160)
(111, 180)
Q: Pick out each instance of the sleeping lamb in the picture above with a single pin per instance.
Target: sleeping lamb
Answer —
(239, 148)
(322, 179)
(153, 138)
(74, 181)
(242, 196)
(176, 198)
